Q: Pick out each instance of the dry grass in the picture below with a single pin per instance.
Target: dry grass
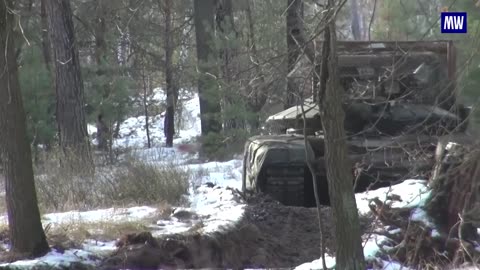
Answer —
(134, 182)
(72, 234)
(140, 182)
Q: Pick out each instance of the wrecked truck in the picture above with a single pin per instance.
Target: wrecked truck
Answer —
(399, 99)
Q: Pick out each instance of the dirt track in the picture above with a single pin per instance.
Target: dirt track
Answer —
(270, 235)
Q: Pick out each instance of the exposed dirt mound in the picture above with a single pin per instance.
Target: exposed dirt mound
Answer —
(236, 248)
(270, 235)
(294, 229)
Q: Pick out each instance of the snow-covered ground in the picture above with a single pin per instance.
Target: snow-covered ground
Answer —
(225, 174)
(114, 215)
(411, 192)
(133, 132)
(56, 259)
(208, 205)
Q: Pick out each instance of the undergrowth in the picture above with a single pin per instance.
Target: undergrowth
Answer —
(135, 182)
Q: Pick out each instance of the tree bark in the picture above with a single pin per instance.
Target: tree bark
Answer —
(70, 113)
(349, 254)
(171, 91)
(26, 232)
(145, 108)
(46, 49)
(204, 13)
(356, 20)
(258, 99)
(294, 33)
(100, 42)
(227, 36)
(101, 59)
(455, 189)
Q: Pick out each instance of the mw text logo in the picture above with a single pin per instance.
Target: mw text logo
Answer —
(453, 22)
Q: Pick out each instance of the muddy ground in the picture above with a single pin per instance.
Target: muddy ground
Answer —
(270, 236)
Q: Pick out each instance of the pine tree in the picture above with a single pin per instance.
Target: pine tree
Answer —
(70, 112)
(26, 232)
(204, 14)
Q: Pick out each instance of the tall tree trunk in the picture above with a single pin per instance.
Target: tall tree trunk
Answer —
(294, 32)
(47, 57)
(227, 36)
(100, 28)
(26, 232)
(356, 20)
(171, 91)
(70, 113)
(100, 41)
(118, 123)
(146, 86)
(258, 98)
(46, 46)
(204, 13)
(349, 254)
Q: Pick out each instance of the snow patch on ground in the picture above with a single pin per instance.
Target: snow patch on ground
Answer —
(318, 264)
(419, 214)
(191, 116)
(115, 215)
(393, 266)
(208, 206)
(56, 259)
(91, 129)
(370, 247)
(159, 96)
(224, 174)
(411, 192)
(133, 133)
(98, 247)
(162, 155)
(215, 203)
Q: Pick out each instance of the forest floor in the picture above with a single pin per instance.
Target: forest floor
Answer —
(269, 235)
(219, 229)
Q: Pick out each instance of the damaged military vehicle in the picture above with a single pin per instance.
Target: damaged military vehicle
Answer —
(399, 99)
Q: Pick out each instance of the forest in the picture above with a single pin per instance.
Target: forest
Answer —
(247, 134)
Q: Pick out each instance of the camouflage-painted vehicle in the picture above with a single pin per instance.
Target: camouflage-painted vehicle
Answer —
(394, 115)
